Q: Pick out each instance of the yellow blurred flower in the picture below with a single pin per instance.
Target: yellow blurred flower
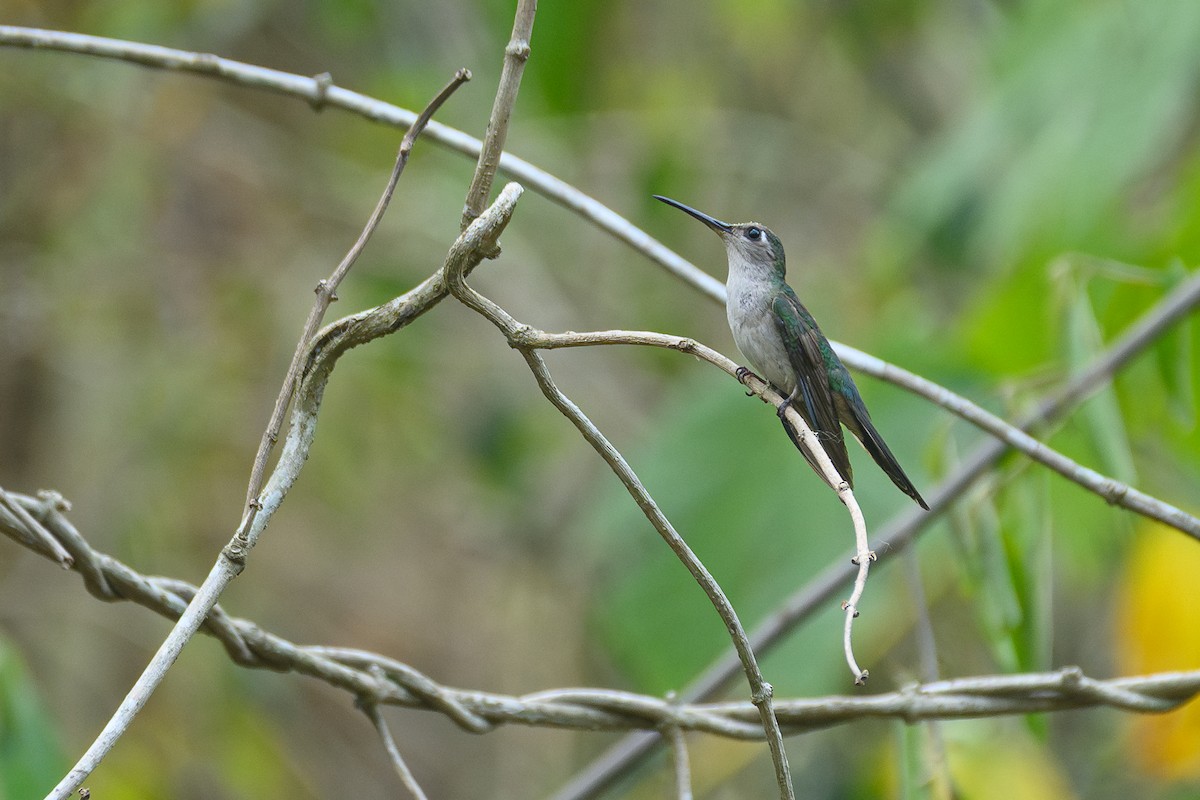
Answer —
(1158, 629)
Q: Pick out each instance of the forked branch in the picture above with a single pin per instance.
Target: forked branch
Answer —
(260, 509)
(496, 218)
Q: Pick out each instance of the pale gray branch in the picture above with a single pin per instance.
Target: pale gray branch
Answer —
(680, 762)
(1182, 300)
(15, 520)
(319, 353)
(320, 92)
(1110, 489)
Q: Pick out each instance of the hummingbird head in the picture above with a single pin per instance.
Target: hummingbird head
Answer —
(750, 246)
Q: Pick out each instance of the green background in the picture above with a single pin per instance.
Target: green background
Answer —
(981, 192)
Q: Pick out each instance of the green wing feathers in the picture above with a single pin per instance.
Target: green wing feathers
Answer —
(804, 343)
(828, 397)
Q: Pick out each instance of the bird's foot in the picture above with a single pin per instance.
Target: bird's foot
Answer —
(782, 408)
(743, 374)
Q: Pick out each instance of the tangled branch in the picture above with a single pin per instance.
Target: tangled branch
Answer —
(379, 680)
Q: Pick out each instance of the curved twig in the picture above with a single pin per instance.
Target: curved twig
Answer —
(1110, 489)
(514, 331)
(898, 533)
(327, 289)
(407, 779)
(320, 92)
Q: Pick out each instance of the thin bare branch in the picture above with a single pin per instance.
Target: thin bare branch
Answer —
(327, 289)
(515, 56)
(320, 92)
(408, 780)
(1110, 489)
(15, 520)
(761, 692)
(1182, 300)
(679, 760)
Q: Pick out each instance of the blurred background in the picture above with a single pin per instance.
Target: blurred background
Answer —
(982, 192)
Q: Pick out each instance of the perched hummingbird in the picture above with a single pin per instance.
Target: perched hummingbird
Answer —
(782, 341)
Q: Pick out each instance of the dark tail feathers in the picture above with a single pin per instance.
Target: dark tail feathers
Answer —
(874, 444)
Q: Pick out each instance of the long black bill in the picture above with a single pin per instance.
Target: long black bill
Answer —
(715, 224)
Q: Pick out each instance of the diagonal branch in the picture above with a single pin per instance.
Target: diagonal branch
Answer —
(680, 762)
(761, 692)
(898, 533)
(407, 779)
(515, 56)
(320, 92)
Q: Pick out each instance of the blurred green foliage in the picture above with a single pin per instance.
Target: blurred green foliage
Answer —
(29, 750)
(985, 193)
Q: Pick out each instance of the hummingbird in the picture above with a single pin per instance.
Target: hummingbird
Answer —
(781, 340)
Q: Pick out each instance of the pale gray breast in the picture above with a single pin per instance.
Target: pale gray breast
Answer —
(753, 326)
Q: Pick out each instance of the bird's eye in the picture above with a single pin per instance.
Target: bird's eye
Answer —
(754, 234)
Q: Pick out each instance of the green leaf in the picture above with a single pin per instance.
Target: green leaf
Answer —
(30, 758)
(1175, 358)
(1102, 412)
